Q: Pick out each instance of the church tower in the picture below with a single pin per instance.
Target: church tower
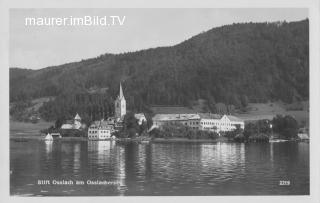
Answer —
(77, 121)
(120, 105)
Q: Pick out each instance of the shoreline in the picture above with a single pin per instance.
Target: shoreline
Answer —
(141, 140)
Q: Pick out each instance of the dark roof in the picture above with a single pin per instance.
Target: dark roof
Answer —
(101, 124)
(210, 116)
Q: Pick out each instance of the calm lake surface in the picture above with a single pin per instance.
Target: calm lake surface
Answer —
(177, 168)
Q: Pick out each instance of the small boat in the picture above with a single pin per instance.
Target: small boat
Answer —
(278, 140)
(49, 137)
(58, 135)
(144, 141)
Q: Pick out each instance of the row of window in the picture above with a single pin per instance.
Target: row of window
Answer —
(96, 136)
(202, 123)
(194, 123)
(213, 123)
(207, 128)
(96, 131)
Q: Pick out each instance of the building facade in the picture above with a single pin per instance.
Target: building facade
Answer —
(100, 130)
(103, 129)
(73, 124)
(202, 121)
(220, 123)
(191, 120)
(140, 117)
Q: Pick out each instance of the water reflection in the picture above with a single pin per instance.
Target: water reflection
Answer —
(67, 157)
(121, 169)
(76, 158)
(162, 168)
(99, 151)
(48, 146)
(271, 153)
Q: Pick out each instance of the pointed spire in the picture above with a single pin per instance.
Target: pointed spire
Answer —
(77, 117)
(121, 92)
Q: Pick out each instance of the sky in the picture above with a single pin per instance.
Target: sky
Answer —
(36, 47)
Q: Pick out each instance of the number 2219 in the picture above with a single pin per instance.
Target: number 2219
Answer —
(284, 182)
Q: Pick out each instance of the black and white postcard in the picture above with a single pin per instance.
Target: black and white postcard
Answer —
(161, 102)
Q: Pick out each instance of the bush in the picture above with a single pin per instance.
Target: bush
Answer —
(179, 130)
(259, 138)
(286, 126)
(73, 133)
(239, 138)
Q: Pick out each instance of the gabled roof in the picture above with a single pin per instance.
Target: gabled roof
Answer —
(101, 124)
(77, 117)
(67, 126)
(233, 118)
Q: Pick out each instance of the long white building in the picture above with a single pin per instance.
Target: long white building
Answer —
(220, 123)
(201, 121)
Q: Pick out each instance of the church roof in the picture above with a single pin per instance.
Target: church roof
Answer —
(121, 92)
(77, 117)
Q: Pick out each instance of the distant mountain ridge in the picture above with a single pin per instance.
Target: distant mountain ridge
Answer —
(233, 64)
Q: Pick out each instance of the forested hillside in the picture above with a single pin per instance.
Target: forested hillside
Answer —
(232, 64)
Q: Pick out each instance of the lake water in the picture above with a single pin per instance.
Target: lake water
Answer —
(177, 168)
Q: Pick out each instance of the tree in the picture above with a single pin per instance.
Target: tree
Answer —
(249, 130)
(218, 63)
(286, 126)
(232, 134)
(244, 100)
(59, 123)
(143, 128)
(130, 124)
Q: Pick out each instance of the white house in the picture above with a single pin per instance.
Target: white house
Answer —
(140, 117)
(234, 122)
(99, 130)
(210, 122)
(202, 121)
(218, 123)
(73, 124)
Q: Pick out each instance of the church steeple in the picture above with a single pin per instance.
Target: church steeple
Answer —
(120, 105)
(121, 92)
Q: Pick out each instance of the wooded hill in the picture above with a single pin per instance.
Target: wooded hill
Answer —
(232, 64)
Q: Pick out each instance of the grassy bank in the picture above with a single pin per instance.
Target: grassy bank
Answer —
(22, 128)
(260, 111)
